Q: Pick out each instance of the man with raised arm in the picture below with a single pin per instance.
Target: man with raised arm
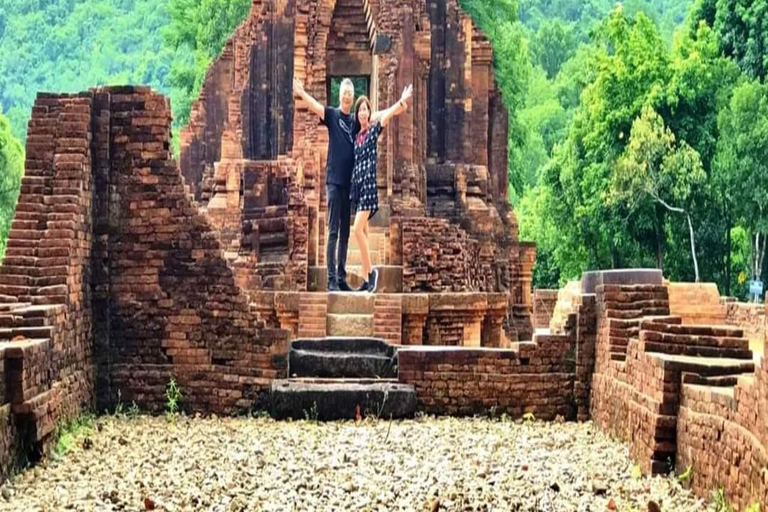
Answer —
(342, 129)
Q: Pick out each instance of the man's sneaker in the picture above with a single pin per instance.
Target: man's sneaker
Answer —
(333, 285)
(373, 280)
(344, 287)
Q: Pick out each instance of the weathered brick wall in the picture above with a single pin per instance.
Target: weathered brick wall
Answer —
(473, 381)
(680, 394)
(176, 311)
(543, 307)
(721, 434)
(751, 318)
(548, 377)
(45, 315)
(697, 303)
(439, 256)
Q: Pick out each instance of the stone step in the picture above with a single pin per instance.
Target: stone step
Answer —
(27, 332)
(15, 279)
(698, 350)
(349, 324)
(693, 330)
(390, 278)
(312, 315)
(340, 400)
(13, 291)
(19, 261)
(351, 303)
(705, 340)
(353, 357)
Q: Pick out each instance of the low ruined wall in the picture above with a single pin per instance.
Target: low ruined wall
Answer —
(544, 302)
(549, 376)
(696, 303)
(721, 434)
(751, 318)
(705, 410)
(470, 381)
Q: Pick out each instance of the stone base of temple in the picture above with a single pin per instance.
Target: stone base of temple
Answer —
(471, 319)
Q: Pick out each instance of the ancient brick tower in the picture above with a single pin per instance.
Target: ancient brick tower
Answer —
(446, 239)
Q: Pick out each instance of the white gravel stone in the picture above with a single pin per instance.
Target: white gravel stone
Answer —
(445, 464)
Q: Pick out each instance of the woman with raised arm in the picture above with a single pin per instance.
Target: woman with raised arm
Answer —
(363, 190)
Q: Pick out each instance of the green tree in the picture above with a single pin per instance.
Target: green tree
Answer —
(72, 45)
(742, 29)
(11, 170)
(553, 45)
(196, 34)
(655, 166)
(742, 162)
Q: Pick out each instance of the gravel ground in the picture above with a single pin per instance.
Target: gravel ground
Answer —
(238, 464)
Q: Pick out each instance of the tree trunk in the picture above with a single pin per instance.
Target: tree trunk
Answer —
(728, 256)
(690, 228)
(693, 247)
(660, 238)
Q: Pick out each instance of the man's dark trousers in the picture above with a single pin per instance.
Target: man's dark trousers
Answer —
(338, 232)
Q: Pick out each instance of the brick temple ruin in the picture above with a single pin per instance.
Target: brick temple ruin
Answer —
(125, 269)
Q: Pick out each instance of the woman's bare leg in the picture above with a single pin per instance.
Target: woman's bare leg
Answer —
(361, 235)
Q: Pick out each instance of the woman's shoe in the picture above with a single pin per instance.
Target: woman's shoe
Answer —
(373, 280)
(364, 287)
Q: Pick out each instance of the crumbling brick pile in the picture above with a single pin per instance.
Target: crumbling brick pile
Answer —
(439, 256)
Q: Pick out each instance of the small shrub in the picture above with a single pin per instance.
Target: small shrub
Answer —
(686, 476)
(311, 415)
(720, 502)
(133, 411)
(69, 432)
(172, 397)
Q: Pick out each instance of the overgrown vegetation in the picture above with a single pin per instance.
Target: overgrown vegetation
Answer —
(71, 432)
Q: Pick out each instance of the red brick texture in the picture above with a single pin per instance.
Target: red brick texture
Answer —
(141, 296)
(751, 318)
(46, 313)
(548, 376)
(543, 306)
(680, 395)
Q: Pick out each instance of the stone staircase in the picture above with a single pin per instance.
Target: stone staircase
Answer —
(341, 378)
(350, 314)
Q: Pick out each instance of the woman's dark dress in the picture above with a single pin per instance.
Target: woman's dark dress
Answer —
(364, 192)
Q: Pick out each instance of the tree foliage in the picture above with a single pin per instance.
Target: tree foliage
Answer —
(197, 32)
(72, 45)
(11, 170)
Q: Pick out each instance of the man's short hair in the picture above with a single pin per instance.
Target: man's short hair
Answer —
(346, 83)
